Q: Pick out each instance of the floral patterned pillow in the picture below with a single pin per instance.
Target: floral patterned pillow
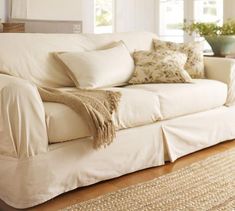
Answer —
(194, 52)
(159, 67)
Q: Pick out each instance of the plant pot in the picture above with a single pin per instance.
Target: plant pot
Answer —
(221, 45)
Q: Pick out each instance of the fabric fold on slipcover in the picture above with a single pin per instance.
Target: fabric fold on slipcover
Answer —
(96, 107)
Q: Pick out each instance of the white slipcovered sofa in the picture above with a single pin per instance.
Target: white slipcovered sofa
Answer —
(46, 148)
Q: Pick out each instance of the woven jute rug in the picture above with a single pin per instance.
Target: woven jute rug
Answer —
(204, 185)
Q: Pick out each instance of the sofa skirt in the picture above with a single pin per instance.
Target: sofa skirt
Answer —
(66, 166)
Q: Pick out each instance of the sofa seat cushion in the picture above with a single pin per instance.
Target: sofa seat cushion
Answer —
(187, 98)
(140, 105)
(137, 107)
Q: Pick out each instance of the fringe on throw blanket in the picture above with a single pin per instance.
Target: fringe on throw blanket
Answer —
(95, 106)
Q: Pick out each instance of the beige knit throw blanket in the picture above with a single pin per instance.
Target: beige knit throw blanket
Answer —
(95, 106)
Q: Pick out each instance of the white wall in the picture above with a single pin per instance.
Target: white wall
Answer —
(135, 15)
(19, 9)
(88, 15)
(54, 9)
(229, 8)
(131, 15)
(3, 10)
(72, 10)
(145, 15)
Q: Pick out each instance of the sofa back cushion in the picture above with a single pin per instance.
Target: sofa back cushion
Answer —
(133, 40)
(30, 56)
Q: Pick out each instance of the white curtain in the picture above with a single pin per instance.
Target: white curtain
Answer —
(19, 9)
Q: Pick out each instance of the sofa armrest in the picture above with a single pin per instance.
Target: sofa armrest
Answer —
(22, 121)
(222, 69)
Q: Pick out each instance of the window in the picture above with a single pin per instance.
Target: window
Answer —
(104, 16)
(171, 20)
(173, 13)
(208, 10)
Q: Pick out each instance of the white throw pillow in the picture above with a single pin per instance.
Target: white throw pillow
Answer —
(101, 68)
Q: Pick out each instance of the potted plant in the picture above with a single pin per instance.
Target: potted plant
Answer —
(220, 37)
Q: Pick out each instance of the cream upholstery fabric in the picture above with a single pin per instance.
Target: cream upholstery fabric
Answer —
(137, 107)
(133, 40)
(69, 165)
(181, 99)
(22, 120)
(64, 124)
(32, 172)
(155, 102)
(101, 68)
(31, 57)
(194, 132)
(222, 69)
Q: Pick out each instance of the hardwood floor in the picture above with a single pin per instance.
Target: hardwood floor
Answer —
(86, 193)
